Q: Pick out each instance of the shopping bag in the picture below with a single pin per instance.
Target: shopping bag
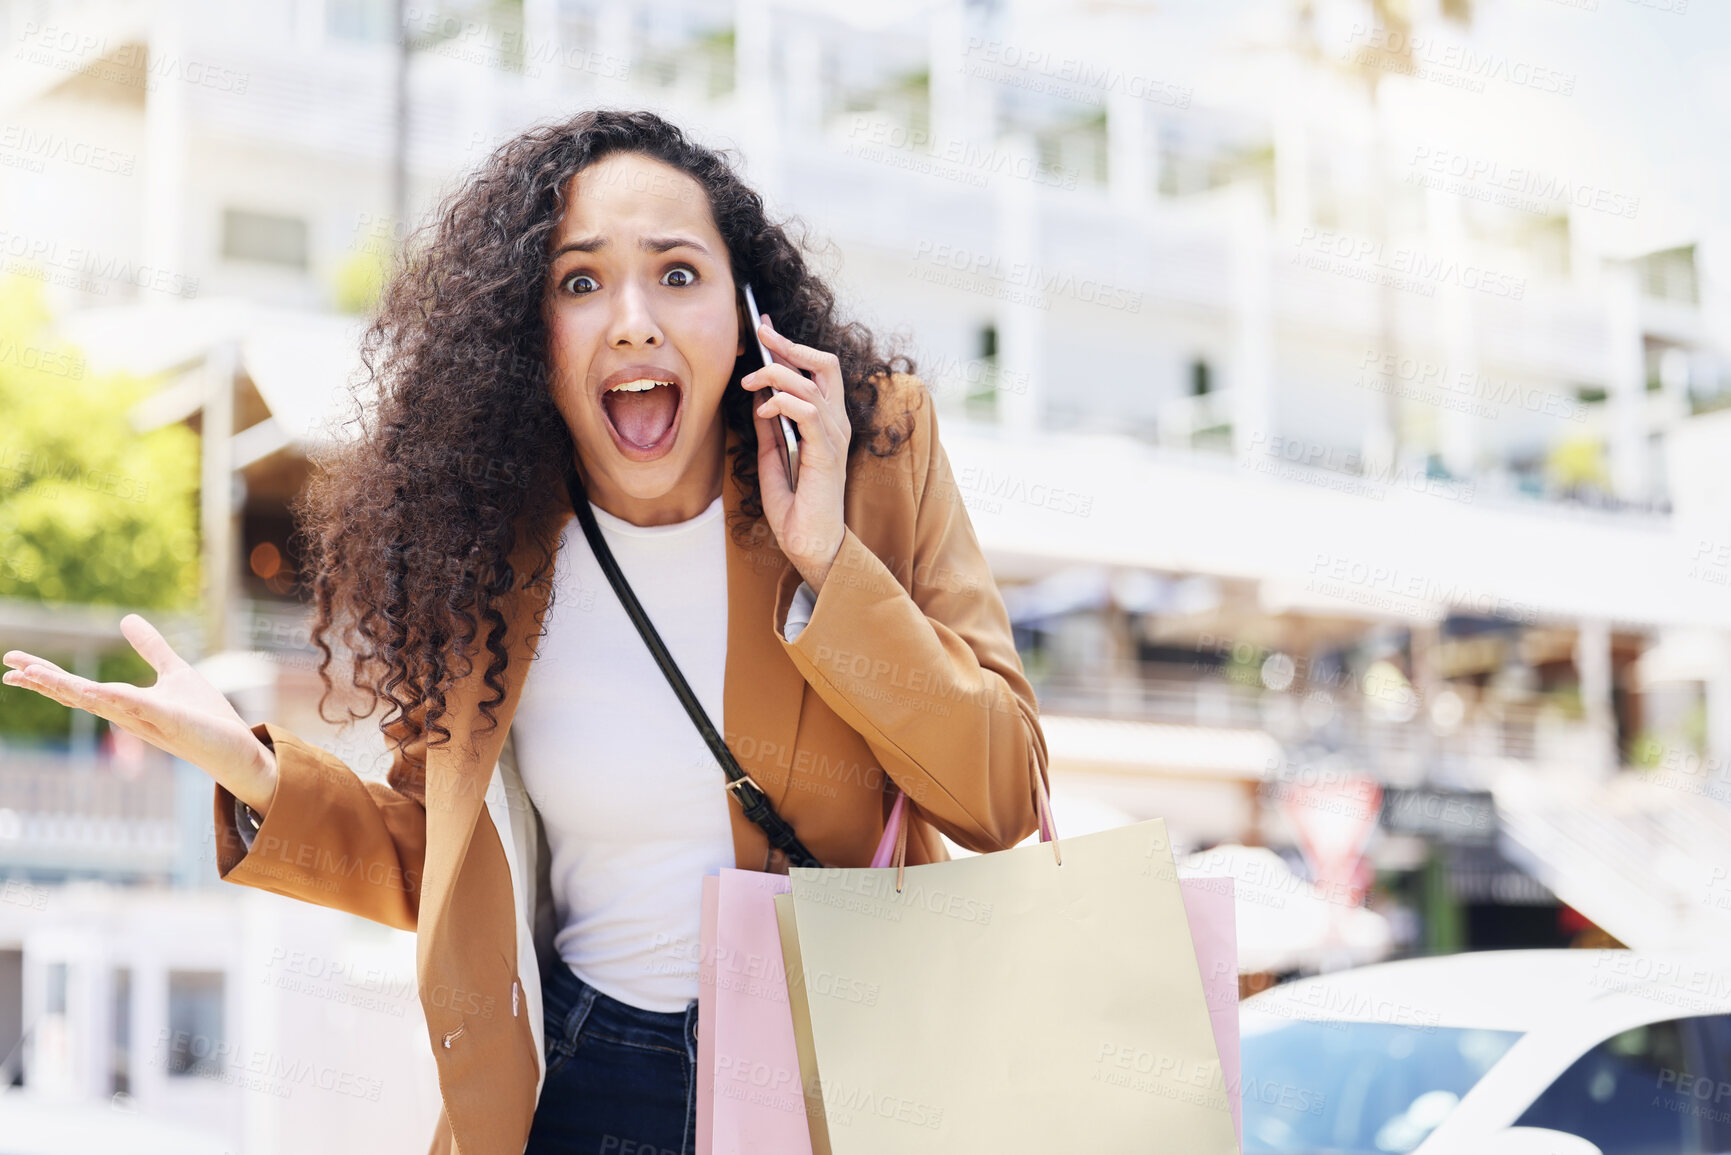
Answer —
(810, 1082)
(1030, 1000)
(750, 1066)
(706, 1015)
(750, 1095)
(754, 1029)
(1210, 910)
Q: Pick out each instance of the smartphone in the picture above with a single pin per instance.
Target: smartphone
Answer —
(786, 437)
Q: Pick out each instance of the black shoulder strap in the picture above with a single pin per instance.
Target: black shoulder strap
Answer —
(751, 797)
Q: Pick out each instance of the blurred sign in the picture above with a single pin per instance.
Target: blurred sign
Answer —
(1333, 818)
(1452, 816)
(1483, 876)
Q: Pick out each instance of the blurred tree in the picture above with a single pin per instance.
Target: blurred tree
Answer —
(360, 278)
(91, 512)
(1577, 464)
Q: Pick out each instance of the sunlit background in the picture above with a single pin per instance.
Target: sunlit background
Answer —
(1340, 391)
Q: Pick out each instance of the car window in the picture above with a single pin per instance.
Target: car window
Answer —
(1633, 1094)
(1712, 1095)
(1356, 1088)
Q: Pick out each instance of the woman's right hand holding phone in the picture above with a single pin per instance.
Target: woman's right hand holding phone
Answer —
(182, 713)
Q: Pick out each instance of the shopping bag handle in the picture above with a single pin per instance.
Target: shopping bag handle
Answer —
(893, 846)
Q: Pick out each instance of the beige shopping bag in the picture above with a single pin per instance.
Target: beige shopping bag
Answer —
(1006, 1003)
(801, 1010)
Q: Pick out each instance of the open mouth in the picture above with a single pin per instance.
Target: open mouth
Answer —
(643, 416)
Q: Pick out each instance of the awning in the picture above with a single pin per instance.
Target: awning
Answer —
(1040, 501)
(1646, 855)
(1158, 749)
(301, 362)
(1682, 656)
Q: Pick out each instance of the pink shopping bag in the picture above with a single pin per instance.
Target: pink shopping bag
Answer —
(1208, 908)
(749, 1095)
(750, 1101)
(706, 1015)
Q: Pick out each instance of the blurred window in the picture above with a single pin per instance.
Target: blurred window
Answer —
(1670, 275)
(1357, 1088)
(194, 1022)
(366, 21)
(1633, 1094)
(1201, 378)
(275, 240)
(55, 995)
(120, 1044)
(11, 1018)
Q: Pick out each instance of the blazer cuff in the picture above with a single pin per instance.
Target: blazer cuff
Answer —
(799, 611)
(246, 822)
(299, 793)
(857, 578)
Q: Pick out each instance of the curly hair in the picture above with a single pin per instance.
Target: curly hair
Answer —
(409, 527)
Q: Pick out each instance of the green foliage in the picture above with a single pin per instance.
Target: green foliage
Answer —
(718, 41)
(27, 715)
(359, 280)
(1578, 462)
(918, 82)
(90, 511)
(1244, 666)
(1646, 750)
(1566, 700)
(1684, 746)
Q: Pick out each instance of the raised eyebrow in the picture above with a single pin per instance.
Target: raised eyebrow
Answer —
(647, 244)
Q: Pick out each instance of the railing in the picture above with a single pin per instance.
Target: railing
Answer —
(1189, 703)
(1394, 739)
(61, 813)
(1203, 421)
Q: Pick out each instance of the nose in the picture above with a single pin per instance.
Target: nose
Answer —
(632, 321)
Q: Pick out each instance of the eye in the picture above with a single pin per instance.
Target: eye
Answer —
(566, 283)
(690, 275)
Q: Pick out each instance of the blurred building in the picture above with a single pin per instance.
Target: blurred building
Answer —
(1352, 481)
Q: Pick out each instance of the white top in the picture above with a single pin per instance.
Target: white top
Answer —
(634, 805)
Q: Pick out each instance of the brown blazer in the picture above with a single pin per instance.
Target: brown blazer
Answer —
(907, 669)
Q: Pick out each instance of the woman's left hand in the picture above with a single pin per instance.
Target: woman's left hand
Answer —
(807, 521)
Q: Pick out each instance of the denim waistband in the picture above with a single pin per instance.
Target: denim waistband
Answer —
(566, 995)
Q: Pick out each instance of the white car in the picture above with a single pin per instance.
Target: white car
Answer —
(1530, 1051)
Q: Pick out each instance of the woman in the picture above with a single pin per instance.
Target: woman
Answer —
(578, 305)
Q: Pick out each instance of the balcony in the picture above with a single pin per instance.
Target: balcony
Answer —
(1391, 736)
(63, 815)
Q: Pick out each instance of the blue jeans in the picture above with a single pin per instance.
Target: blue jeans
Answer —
(620, 1080)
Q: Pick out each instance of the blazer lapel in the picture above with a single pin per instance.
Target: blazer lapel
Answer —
(763, 690)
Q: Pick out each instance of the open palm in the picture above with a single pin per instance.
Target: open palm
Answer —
(182, 713)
